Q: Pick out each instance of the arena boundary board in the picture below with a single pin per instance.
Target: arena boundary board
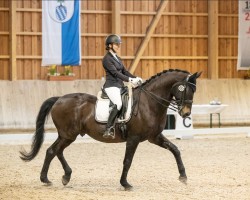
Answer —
(50, 137)
(190, 133)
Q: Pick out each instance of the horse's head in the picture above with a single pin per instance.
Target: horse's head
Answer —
(183, 93)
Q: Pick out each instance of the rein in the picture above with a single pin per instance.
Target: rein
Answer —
(158, 99)
(175, 105)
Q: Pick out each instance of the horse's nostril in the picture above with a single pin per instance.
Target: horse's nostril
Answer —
(186, 114)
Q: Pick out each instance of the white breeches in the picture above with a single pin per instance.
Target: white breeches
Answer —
(114, 94)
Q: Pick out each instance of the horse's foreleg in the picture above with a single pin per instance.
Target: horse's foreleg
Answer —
(161, 141)
(67, 170)
(131, 146)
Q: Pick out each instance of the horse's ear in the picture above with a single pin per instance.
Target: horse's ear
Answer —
(194, 76)
(198, 74)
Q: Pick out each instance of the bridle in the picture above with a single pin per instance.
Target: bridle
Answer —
(182, 87)
(173, 104)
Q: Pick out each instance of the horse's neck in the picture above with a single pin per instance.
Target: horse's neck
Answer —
(161, 86)
(158, 95)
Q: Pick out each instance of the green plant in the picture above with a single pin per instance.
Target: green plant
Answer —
(67, 70)
(52, 70)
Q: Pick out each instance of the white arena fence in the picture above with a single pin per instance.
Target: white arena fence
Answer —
(190, 133)
(178, 134)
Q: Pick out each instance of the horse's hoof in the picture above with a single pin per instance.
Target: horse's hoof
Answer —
(183, 179)
(45, 181)
(65, 179)
(127, 187)
(48, 183)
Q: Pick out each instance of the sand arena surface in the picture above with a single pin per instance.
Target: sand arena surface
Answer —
(217, 168)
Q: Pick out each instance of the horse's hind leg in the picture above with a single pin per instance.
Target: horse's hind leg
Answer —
(55, 149)
(67, 170)
(161, 141)
(50, 154)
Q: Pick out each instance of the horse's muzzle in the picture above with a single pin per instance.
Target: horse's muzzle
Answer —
(185, 111)
(186, 115)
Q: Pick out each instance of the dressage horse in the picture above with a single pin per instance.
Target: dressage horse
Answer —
(73, 114)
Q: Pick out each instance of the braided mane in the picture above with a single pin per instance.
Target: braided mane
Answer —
(163, 72)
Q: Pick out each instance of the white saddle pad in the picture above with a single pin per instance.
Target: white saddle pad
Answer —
(102, 108)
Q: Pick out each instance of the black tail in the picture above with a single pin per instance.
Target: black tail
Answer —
(38, 137)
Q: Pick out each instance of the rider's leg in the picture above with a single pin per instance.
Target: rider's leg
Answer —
(115, 97)
(110, 124)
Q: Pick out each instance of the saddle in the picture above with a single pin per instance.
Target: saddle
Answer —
(103, 106)
(124, 97)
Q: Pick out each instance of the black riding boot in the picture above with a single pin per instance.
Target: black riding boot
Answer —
(109, 132)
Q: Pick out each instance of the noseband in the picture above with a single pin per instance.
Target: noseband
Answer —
(175, 105)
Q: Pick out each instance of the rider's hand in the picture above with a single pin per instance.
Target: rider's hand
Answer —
(134, 81)
(140, 81)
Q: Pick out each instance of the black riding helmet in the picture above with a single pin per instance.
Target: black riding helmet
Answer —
(113, 39)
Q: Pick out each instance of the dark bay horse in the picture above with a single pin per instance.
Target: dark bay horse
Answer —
(73, 114)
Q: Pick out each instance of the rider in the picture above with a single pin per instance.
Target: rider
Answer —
(115, 75)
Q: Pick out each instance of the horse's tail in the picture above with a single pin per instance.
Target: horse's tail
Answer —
(38, 137)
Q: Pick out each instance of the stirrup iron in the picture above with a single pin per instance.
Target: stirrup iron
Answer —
(111, 133)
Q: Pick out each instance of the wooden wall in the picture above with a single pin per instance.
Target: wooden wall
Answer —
(4, 40)
(228, 39)
(191, 34)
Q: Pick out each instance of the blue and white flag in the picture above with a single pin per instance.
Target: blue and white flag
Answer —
(61, 32)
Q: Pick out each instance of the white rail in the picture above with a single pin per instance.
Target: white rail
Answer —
(190, 133)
